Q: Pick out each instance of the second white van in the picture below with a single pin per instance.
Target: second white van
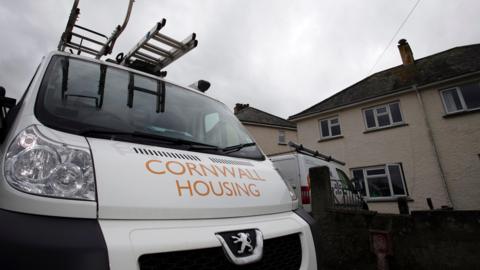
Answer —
(294, 167)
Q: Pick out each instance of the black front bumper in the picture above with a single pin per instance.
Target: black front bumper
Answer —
(40, 242)
(314, 228)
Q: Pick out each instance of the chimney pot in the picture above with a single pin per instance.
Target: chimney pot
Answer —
(405, 52)
(239, 107)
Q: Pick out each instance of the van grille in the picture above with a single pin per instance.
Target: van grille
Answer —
(278, 253)
(229, 161)
(166, 154)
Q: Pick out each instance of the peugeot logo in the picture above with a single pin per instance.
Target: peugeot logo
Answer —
(244, 239)
(242, 247)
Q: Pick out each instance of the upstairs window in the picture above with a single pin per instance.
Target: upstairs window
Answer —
(463, 98)
(330, 128)
(281, 137)
(381, 181)
(383, 116)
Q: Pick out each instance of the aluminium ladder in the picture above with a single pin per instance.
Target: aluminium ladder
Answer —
(98, 45)
(155, 50)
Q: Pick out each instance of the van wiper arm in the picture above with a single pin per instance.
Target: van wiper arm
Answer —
(237, 147)
(138, 134)
(192, 145)
(112, 134)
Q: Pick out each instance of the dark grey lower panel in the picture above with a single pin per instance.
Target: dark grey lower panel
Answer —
(40, 242)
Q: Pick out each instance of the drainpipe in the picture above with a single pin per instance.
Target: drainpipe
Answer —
(434, 145)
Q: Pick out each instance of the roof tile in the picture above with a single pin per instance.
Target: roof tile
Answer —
(253, 115)
(441, 66)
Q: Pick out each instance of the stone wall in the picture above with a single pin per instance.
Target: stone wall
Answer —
(437, 239)
(422, 240)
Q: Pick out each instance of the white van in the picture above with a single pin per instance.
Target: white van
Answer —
(102, 180)
(294, 167)
(108, 167)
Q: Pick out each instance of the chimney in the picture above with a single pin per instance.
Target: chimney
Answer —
(405, 52)
(239, 107)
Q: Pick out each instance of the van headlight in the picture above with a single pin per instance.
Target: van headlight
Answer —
(37, 165)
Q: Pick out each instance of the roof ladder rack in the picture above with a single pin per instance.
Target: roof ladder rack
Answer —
(303, 150)
(98, 44)
(155, 51)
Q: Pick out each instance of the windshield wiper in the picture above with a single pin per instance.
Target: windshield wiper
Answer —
(233, 148)
(113, 134)
(138, 134)
(192, 145)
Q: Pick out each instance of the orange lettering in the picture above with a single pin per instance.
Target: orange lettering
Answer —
(149, 168)
(229, 191)
(192, 167)
(211, 170)
(224, 171)
(213, 190)
(253, 189)
(196, 183)
(242, 173)
(179, 189)
(258, 176)
(182, 168)
(244, 189)
(250, 174)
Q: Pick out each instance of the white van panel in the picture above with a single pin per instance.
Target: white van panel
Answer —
(142, 185)
(128, 240)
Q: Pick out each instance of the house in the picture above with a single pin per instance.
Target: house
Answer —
(409, 131)
(271, 132)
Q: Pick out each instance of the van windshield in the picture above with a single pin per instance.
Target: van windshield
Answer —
(90, 98)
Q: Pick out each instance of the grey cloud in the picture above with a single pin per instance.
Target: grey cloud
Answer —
(280, 56)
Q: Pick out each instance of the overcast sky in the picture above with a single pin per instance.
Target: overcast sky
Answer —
(278, 56)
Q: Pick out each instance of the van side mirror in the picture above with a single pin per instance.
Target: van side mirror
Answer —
(200, 85)
(6, 104)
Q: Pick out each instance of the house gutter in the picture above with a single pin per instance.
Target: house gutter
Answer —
(434, 145)
(411, 89)
(267, 125)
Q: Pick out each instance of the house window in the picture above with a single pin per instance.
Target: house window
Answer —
(330, 127)
(380, 181)
(462, 98)
(383, 116)
(281, 137)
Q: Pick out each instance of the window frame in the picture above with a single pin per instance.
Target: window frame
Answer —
(388, 112)
(329, 123)
(386, 174)
(280, 132)
(458, 90)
